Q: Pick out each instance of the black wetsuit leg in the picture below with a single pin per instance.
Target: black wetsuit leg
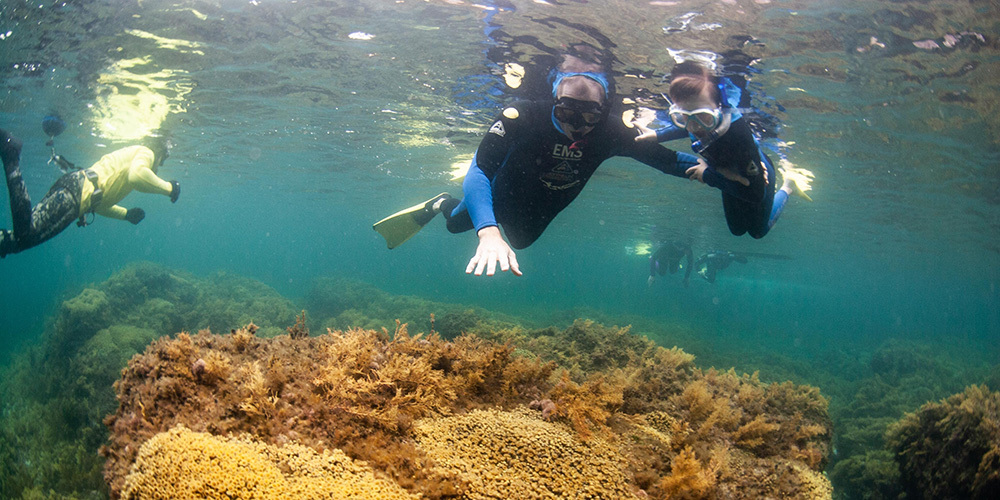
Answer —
(457, 222)
(745, 217)
(522, 232)
(57, 210)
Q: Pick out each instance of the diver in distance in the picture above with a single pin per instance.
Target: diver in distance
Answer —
(533, 162)
(714, 261)
(709, 263)
(77, 194)
(667, 257)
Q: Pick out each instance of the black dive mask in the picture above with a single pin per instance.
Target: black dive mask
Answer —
(578, 113)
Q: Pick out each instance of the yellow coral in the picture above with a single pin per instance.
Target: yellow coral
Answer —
(182, 464)
(515, 454)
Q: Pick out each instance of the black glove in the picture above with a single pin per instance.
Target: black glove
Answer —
(135, 215)
(175, 191)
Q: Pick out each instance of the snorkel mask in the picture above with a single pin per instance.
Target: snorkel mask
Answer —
(577, 113)
(708, 118)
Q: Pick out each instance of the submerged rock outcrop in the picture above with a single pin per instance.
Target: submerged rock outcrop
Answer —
(951, 448)
(587, 412)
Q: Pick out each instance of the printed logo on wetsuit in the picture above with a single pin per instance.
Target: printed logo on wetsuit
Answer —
(564, 152)
(562, 176)
(498, 129)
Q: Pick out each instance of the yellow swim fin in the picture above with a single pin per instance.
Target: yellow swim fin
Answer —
(405, 223)
(799, 178)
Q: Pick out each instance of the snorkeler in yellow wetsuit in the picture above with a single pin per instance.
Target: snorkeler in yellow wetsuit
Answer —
(97, 189)
(118, 173)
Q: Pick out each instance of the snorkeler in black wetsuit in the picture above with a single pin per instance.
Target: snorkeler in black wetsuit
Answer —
(537, 157)
(710, 263)
(668, 258)
(706, 108)
(526, 170)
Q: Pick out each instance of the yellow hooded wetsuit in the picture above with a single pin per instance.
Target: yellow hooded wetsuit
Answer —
(118, 173)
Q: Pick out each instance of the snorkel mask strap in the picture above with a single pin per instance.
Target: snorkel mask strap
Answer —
(558, 76)
(729, 97)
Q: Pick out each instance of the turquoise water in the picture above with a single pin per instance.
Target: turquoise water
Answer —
(291, 138)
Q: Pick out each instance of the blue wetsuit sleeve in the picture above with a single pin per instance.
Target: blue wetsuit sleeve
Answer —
(670, 133)
(491, 156)
(686, 161)
(478, 197)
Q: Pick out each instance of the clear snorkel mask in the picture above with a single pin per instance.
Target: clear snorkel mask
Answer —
(708, 118)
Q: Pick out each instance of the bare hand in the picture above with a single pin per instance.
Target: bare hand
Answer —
(492, 249)
(645, 133)
(736, 177)
(695, 173)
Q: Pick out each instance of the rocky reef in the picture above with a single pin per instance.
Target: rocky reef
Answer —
(55, 394)
(951, 448)
(899, 377)
(374, 408)
(586, 412)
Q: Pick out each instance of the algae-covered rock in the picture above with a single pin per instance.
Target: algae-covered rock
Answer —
(361, 391)
(447, 418)
(342, 303)
(55, 394)
(901, 376)
(950, 449)
(79, 318)
(873, 475)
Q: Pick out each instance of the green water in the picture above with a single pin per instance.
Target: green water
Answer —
(291, 138)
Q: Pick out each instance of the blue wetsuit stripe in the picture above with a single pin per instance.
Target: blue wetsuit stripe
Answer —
(779, 204)
(478, 191)
(671, 132)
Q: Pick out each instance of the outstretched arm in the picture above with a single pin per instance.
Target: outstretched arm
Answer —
(478, 190)
(114, 212)
(665, 160)
(670, 132)
(141, 178)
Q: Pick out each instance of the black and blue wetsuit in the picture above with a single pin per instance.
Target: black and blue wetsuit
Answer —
(668, 258)
(526, 170)
(714, 261)
(749, 209)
